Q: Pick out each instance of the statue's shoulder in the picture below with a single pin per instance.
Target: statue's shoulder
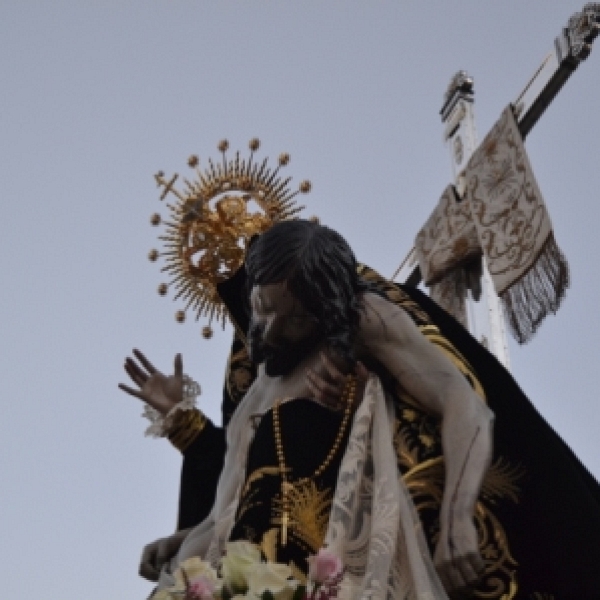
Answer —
(396, 294)
(381, 320)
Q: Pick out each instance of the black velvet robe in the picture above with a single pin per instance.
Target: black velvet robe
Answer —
(308, 433)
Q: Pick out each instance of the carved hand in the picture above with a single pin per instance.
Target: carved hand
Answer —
(159, 391)
(156, 554)
(457, 558)
(328, 385)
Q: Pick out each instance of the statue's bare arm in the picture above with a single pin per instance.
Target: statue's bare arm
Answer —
(388, 334)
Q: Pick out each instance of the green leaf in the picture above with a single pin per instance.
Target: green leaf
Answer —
(226, 593)
(238, 589)
(299, 593)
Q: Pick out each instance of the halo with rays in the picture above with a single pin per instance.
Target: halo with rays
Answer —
(212, 221)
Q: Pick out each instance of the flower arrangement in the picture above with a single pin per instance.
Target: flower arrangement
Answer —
(244, 575)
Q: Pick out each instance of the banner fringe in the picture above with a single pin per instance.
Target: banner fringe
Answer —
(538, 293)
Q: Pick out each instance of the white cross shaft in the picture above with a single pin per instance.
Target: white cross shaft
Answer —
(484, 315)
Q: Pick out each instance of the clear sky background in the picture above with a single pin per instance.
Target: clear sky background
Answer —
(95, 97)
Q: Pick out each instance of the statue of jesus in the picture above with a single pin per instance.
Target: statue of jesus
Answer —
(299, 474)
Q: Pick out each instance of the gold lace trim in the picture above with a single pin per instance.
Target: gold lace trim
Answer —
(187, 426)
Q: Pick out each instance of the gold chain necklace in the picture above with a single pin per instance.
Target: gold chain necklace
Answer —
(348, 395)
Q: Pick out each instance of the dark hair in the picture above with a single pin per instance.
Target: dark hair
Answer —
(320, 270)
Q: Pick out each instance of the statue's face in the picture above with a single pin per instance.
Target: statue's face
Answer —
(281, 330)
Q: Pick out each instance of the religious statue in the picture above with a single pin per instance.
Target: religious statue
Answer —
(306, 299)
(321, 454)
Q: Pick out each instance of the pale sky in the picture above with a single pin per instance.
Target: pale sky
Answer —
(98, 96)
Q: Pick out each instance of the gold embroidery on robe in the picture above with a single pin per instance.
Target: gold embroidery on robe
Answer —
(247, 502)
(259, 474)
(248, 495)
(239, 375)
(268, 544)
(186, 427)
(309, 509)
(501, 481)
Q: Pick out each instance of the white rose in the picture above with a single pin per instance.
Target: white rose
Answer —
(240, 557)
(272, 577)
(194, 568)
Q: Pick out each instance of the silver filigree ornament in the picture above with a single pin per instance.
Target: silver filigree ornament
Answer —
(582, 29)
(460, 81)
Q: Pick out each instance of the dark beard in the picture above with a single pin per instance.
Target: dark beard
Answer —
(283, 359)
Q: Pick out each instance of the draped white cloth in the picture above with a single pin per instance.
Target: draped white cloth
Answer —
(373, 525)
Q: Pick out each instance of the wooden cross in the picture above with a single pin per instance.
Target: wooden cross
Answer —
(484, 315)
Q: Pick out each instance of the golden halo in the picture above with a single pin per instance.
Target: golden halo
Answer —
(212, 221)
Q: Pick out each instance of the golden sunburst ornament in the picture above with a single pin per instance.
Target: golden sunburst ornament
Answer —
(212, 221)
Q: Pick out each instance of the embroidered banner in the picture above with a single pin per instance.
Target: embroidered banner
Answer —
(529, 271)
(448, 239)
(512, 229)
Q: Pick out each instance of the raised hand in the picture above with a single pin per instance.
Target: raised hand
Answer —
(159, 391)
(327, 388)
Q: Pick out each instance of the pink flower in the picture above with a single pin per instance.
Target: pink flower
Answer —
(201, 588)
(324, 566)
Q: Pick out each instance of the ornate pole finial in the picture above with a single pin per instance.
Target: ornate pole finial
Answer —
(461, 86)
(460, 82)
(581, 31)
